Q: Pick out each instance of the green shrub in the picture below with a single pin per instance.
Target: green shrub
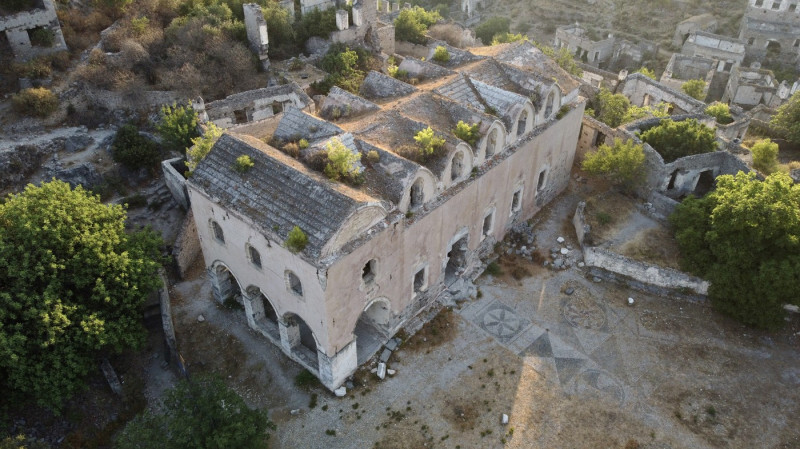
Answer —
(695, 89)
(133, 150)
(302, 144)
(297, 240)
(36, 101)
(428, 142)
(765, 156)
(493, 26)
(467, 133)
(373, 156)
(177, 127)
(441, 54)
(493, 269)
(139, 25)
(622, 162)
(674, 140)
(343, 163)
(412, 24)
(42, 37)
(505, 38)
(243, 164)
(35, 68)
(721, 112)
(201, 146)
(647, 72)
(305, 380)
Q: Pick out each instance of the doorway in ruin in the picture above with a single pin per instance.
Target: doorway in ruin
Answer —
(224, 285)
(302, 341)
(456, 260)
(773, 49)
(264, 314)
(372, 328)
(705, 183)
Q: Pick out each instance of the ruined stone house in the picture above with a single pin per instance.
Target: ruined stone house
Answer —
(703, 22)
(610, 53)
(771, 31)
(252, 106)
(32, 33)
(381, 252)
(749, 87)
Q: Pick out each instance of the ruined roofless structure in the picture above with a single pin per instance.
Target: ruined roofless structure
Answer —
(771, 30)
(383, 251)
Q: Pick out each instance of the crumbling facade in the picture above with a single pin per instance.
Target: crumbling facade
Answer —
(608, 53)
(34, 32)
(750, 87)
(256, 28)
(771, 32)
(252, 106)
(379, 253)
(704, 22)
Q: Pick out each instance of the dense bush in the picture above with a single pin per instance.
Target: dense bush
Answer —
(563, 58)
(315, 23)
(467, 133)
(441, 54)
(744, 237)
(201, 146)
(611, 108)
(412, 23)
(133, 150)
(346, 68)
(429, 143)
(674, 140)
(491, 27)
(787, 120)
(72, 286)
(622, 162)
(695, 89)
(721, 112)
(36, 101)
(343, 163)
(765, 156)
(178, 126)
(297, 240)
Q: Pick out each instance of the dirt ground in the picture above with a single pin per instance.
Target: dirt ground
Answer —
(582, 370)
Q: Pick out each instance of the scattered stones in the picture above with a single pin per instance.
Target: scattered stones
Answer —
(77, 142)
(564, 251)
(391, 372)
(630, 301)
(340, 392)
(295, 411)
(560, 240)
(569, 291)
(596, 279)
(558, 263)
(581, 264)
(349, 385)
(504, 419)
(200, 318)
(381, 371)
(385, 355)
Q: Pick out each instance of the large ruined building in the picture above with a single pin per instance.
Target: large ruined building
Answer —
(771, 29)
(380, 252)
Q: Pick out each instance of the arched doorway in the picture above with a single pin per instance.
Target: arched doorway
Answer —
(224, 285)
(300, 340)
(372, 328)
(264, 315)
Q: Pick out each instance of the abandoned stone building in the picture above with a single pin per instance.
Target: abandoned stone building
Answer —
(771, 32)
(749, 87)
(32, 33)
(703, 22)
(252, 106)
(380, 252)
(609, 53)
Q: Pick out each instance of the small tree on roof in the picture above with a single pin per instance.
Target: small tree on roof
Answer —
(343, 163)
(428, 142)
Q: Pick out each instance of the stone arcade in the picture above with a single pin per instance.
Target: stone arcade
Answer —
(380, 253)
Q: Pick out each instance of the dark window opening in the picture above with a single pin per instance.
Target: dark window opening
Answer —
(368, 272)
(492, 143)
(457, 166)
(419, 280)
(672, 178)
(456, 261)
(294, 284)
(599, 139)
(776, 5)
(218, 232)
(417, 194)
(759, 3)
(240, 116)
(255, 257)
(705, 183)
(277, 107)
(487, 224)
(541, 182)
(516, 201)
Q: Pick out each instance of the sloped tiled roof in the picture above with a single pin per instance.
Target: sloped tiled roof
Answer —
(526, 56)
(376, 85)
(277, 193)
(296, 124)
(342, 104)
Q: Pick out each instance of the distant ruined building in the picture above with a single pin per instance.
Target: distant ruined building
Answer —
(771, 31)
(33, 32)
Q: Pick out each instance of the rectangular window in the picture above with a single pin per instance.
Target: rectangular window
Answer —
(776, 5)
(759, 3)
(488, 224)
(797, 43)
(516, 201)
(421, 279)
(542, 180)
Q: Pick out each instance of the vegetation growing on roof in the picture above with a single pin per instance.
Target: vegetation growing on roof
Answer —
(201, 146)
(695, 89)
(647, 72)
(343, 163)
(721, 112)
(674, 140)
(467, 133)
(441, 54)
(563, 58)
(428, 142)
(243, 164)
(297, 240)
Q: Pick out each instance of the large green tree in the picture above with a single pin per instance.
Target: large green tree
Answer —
(492, 27)
(695, 89)
(178, 126)
(744, 237)
(412, 24)
(787, 120)
(675, 140)
(622, 163)
(72, 283)
(200, 413)
(611, 108)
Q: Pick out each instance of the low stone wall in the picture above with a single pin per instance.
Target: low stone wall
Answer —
(646, 273)
(579, 221)
(187, 245)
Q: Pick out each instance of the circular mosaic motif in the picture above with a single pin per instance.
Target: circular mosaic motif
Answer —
(585, 313)
(501, 323)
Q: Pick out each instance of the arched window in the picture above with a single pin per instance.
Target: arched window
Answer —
(457, 166)
(417, 193)
(368, 272)
(491, 143)
(549, 105)
(522, 123)
(294, 283)
(254, 256)
(217, 230)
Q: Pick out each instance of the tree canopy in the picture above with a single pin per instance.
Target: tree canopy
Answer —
(412, 24)
(611, 108)
(695, 89)
(721, 112)
(787, 120)
(622, 162)
(492, 27)
(201, 413)
(72, 283)
(178, 126)
(133, 150)
(744, 237)
(765, 156)
(343, 163)
(201, 146)
(675, 140)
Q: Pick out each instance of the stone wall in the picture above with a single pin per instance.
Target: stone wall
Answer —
(18, 28)
(186, 249)
(642, 91)
(175, 181)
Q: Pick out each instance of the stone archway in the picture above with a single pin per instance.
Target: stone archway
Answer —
(298, 339)
(456, 260)
(265, 319)
(372, 328)
(224, 284)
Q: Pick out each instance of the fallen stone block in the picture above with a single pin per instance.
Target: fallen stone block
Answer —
(381, 371)
(340, 392)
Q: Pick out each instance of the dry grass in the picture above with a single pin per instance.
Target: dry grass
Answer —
(656, 246)
(441, 329)
(605, 212)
